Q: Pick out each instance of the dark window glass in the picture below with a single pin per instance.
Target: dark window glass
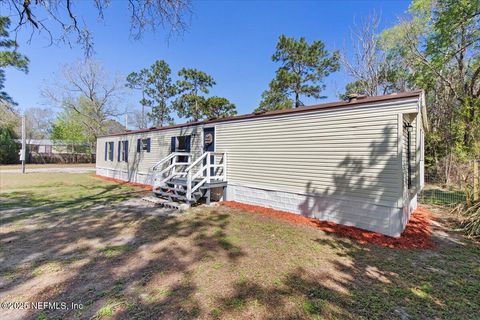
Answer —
(123, 151)
(145, 144)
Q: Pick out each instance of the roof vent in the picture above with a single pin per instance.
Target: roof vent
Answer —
(352, 97)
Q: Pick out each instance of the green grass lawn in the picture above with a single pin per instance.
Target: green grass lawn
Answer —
(71, 238)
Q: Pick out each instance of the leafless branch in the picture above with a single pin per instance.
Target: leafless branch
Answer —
(171, 15)
(86, 89)
(367, 61)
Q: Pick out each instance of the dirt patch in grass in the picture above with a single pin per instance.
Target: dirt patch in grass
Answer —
(417, 234)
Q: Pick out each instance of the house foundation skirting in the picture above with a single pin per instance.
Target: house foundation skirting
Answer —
(142, 178)
(388, 220)
(378, 218)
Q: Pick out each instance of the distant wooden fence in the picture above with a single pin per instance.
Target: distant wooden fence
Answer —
(34, 157)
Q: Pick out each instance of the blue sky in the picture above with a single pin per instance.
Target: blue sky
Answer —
(231, 40)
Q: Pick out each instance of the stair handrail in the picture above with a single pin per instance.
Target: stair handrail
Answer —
(170, 157)
(167, 158)
(190, 190)
(191, 176)
(189, 168)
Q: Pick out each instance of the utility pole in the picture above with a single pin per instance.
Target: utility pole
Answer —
(24, 151)
(126, 121)
(143, 117)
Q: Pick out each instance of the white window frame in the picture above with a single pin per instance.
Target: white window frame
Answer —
(123, 154)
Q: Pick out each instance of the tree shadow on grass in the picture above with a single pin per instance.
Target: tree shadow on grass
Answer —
(300, 294)
(104, 266)
(366, 282)
(23, 205)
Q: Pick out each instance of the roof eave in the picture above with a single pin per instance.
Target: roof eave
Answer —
(377, 99)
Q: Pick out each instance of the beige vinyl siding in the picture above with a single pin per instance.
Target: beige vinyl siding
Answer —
(344, 153)
(142, 162)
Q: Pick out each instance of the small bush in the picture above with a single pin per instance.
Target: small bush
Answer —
(8, 147)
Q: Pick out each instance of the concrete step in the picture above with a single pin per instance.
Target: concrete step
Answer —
(181, 197)
(166, 203)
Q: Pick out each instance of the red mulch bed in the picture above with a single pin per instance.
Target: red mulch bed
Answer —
(417, 234)
(128, 183)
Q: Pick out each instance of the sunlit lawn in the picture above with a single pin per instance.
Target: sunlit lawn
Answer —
(70, 238)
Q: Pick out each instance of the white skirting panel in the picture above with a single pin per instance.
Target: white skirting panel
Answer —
(409, 207)
(390, 221)
(125, 176)
(382, 219)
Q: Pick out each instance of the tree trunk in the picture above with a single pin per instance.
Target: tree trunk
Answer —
(475, 180)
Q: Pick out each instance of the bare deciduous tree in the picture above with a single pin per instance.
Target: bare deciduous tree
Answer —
(138, 120)
(86, 89)
(47, 15)
(368, 63)
(39, 123)
(9, 116)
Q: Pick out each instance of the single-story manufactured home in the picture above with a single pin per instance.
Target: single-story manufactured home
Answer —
(358, 162)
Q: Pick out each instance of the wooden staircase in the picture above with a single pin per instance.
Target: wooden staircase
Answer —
(179, 184)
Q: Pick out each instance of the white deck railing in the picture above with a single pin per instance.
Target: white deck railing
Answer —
(200, 168)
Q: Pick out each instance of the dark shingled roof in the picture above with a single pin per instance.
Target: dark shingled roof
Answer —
(337, 104)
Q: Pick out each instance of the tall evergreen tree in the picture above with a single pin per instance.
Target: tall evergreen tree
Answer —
(303, 67)
(192, 103)
(138, 81)
(218, 107)
(9, 57)
(160, 90)
(157, 89)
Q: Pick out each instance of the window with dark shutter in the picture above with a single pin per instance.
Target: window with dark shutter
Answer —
(173, 142)
(110, 151)
(119, 153)
(123, 151)
(106, 150)
(188, 140)
(148, 145)
(143, 145)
